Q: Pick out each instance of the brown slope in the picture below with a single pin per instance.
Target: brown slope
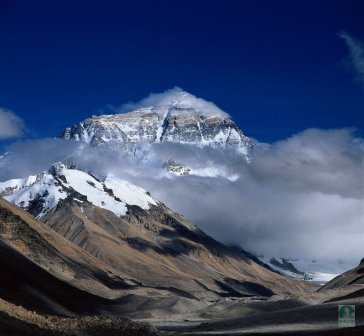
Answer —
(42, 270)
(163, 250)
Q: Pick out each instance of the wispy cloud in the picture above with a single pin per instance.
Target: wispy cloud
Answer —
(171, 96)
(356, 56)
(11, 126)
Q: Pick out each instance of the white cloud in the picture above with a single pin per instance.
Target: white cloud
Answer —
(171, 96)
(356, 56)
(301, 197)
(11, 126)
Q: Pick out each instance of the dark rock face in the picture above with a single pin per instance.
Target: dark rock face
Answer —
(36, 206)
(176, 168)
(285, 265)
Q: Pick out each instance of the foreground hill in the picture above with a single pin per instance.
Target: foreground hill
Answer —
(18, 321)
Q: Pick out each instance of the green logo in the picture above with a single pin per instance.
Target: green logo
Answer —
(346, 316)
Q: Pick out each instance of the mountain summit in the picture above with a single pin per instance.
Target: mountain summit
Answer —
(176, 116)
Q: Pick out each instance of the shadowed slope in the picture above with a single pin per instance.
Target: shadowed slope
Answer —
(163, 250)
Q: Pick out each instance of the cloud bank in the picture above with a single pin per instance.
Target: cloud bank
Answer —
(356, 55)
(11, 126)
(301, 197)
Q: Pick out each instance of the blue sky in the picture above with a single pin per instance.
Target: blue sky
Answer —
(277, 67)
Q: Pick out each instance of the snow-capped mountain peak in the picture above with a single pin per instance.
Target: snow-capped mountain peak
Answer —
(176, 117)
(41, 193)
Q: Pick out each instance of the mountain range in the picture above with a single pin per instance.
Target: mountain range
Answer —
(77, 242)
(180, 118)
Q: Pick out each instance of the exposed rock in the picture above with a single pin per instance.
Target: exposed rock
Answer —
(176, 168)
(284, 264)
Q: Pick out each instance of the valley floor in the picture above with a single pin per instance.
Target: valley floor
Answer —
(312, 314)
(315, 314)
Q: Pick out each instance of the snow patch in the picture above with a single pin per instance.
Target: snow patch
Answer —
(129, 193)
(15, 185)
(43, 187)
(86, 185)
